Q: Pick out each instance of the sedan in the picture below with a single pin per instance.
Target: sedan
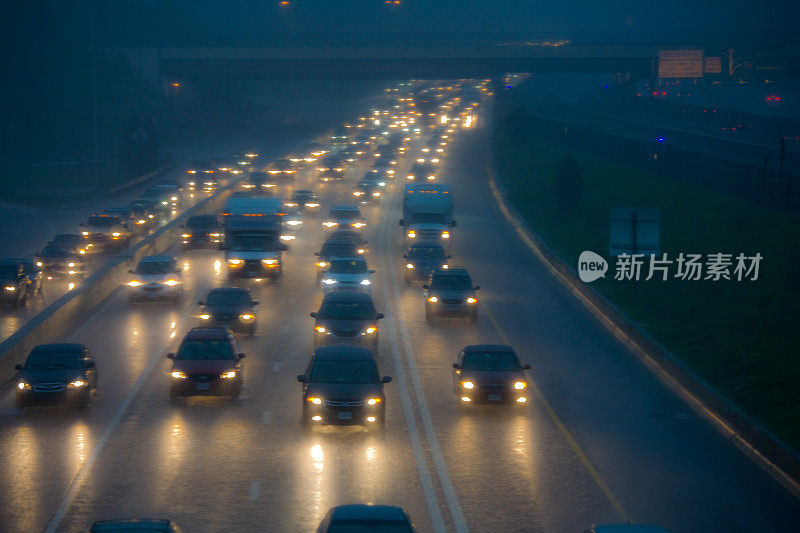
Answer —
(347, 273)
(56, 374)
(423, 258)
(346, 217)
(485, 373)
(342, 385)
(157, 277)
(59, 262)
(230, 307)
(360, 517)
(207, 363)
(347, 317)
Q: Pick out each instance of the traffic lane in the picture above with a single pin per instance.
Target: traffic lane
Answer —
(217, 459)
(121, 338)
(664, 463)
(510, 467)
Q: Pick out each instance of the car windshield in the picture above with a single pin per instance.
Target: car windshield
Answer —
(153, 267)
(490, 361)
(54, 251)
(54, 360)
(429, 218)
(204, 349)
(301, 195)
(430, 252)
(103, 222)
(344, 371)
(334, 249)
(366, 185)
(345, 214)
(222, 298)
(451, 283)
(348, 266)
(347, 310)
(251, 243)
(202, 222)
(368, 526)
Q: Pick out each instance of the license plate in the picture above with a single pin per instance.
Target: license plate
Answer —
(345, 415)
(495, 397)
(203, 386)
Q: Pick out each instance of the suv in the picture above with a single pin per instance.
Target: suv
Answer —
(347, 273)
(486, 373)
(342, 385)
(304, 199)
(208, 362)
(450, 293)
(346, 317)
(57, 373)
(345, 216)
(366, 517)
(156, 277)
(423, 258)
(335, 248)
(14, 283)
(106, 231)
(230, 307)
(58, 262)
(202, 231)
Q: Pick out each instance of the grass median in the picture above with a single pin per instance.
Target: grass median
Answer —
(743, 337)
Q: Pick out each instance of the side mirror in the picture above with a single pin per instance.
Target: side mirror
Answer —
(130, 271)
(18, 367)
(402, 222)
(254, 302)
(379, 316)
(170, 355)
(386, 379)
(425, 287)
(457, 366)
(405, 256)
(241, 355)
(316, 253)
(525, 367)
(302, 378)
(371, 271)
(314, 315)
(89, 364)
(476, 288)
(200, 302)
(448, 257)
(183, 226)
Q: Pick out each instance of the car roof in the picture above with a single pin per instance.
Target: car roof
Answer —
(207, 334)
(157, 259)
(348, 258)
(488, 348)
(230, 290)
(60, 347)
(356, 353)
(456, 271)
(347, 296)
(143, 524)
(363, 511)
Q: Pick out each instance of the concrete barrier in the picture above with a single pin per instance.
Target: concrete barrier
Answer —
(57, 319)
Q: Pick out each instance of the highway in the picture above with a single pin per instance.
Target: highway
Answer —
(602, 441)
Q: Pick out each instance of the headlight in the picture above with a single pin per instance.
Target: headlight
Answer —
(140, 221)
(212, 235)
(433, 299)
(294, 222)
(247, 317)
(230, 374)
(134, 283)
(312, 205)
(116, 234)
(39, 264)
(322, 264)
(519, 385)
(365, 282)
(235, 262)
(204, 316)
(358, 193)
(85, 233)
(471, 299)
(409, 265)
(445, 235)
(22, 385)
(269, 261)
(171, 282)
(372, 329)
(316, 400)
(10, 288)
(78, 383)
(376, 194)
(174, 198)
(330, 224)
(362, 250)
(319, 329)
(71, 264)
(177, 374)
(411, 234)
(164, 202)
(374, 401)
(186, 235)
(329, 281)
(468, 385)
(358, 224)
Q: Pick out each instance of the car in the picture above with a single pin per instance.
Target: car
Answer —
(304, 199)
(383, 170)
(173, 194)
(342, 386)
(625, 528)
(367, 191)
(161, 198)
(361, 517)
(144, 215)
(106, 232)
(373, 177)
(32, 269)
(59, 373)
(168, 183)
(260, 183)
(14, 283)
(331, 174)
(58, 262)
(230, 307)
(488, 373)
(421, 172)
(422, 259)
(313, 151)
(282, 168)
(125, 214)
(335, 247)
(131, 525)
(156, 277)
(347, 273)
(356, 237)
(345, 216)
(450, 293)
(207, 363)
(202, 231)
(347, 317)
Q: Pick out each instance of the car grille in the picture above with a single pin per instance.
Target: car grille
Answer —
(428, 233)
(451, 301)
(225, 318)
(344, 403)
(252, 263)
(98, 236)
(49, 387)
(345, 333)
(203, 378)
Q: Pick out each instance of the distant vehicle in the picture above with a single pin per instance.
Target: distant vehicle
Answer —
(335, 247)
(367, 191)
(56, 374)
(372, 518)
(57, 262)
(331, 174)
(345, 233)
(208, 362)
(304, 199)
(260, 183)
(106, 232)
(421, 172)
(485, 373)
(230, 307)
(35, 274)
(342, 385)
(345, 216)
(339, 136)
(156, 277)
(169, 184)
(423, 258)
(450, 293)
(160, 197)
(347, 317)
(202, 231)
(135, 525)
(173, 191)
(14, 283)
(347, 273)
(144, 214)
(284, 168)
(73, 243)
(383, 169)
(126, 215)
